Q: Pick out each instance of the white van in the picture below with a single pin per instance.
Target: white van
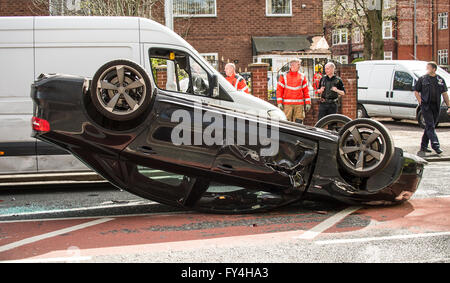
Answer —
(30, 46)
(385, 89)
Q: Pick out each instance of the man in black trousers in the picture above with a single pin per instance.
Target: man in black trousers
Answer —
(428, 90)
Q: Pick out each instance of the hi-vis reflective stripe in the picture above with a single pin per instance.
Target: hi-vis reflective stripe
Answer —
(280, 98)
(293, 88)
(296, 100)
(282, 85)
(245, 88)
(238, 79)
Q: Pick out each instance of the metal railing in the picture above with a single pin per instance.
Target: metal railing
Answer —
(194, 8)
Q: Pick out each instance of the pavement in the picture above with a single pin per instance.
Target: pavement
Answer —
(99, 223)
(407, 135)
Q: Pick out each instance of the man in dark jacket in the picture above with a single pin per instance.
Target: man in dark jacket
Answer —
(428, 90)
(331, 88)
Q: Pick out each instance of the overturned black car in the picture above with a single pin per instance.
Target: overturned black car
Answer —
(122, 126)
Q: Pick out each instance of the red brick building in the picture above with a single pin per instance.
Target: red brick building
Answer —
(432, 31)
(224, 30)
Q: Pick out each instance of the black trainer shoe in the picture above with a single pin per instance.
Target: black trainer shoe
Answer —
(425, 150)
(438, 150)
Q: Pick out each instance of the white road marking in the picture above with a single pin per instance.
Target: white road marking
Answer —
(140, 203)
(371, 239)
(96, 217)
(328, 223)
(30, 240)
(48, 260)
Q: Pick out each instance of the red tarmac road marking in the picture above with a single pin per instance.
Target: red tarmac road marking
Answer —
(191, 230)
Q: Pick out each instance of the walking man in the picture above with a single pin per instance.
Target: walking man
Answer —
(331, 88)
(235, 79)
(293, 93)
(428, 90)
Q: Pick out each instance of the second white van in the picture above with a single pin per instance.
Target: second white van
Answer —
(385, 89)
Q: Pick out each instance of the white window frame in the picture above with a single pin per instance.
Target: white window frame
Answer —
(269, 13)
(387, 24)
(216, 57)
(343, 59)
(443, 57)
(386, 4)
(356, 35)
(196, 15)
(388, 55)
(443, 20)
(340, 32)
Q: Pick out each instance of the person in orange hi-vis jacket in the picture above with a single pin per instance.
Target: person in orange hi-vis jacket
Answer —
(293, 93)
(316, 80)
(234, 79)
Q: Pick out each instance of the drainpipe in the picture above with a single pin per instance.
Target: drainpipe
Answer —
(415, 29)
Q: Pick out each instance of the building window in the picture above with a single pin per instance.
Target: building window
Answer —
(443, 20)
(343, 59)
(212, 58)
(387, 4)
(443, 57)
(278, 8)
(64, 7)
(340, 36)
(194, 8)
(356, 35)
(388, 55)
(387, 29)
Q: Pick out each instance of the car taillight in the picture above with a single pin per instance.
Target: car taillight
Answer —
(40, 125)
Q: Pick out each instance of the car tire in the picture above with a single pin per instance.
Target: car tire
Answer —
(333, 122)
(365, 147)
(121, 90)
(361, 112)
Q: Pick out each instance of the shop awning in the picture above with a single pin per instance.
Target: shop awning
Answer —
(267, 44)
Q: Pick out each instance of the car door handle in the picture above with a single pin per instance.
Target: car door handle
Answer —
(146, 150)
(392, 94)
(387, 94)
(225, 168)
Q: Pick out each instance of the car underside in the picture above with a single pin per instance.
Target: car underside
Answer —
(355, 163)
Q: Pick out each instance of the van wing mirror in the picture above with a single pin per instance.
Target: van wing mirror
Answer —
(214, 86)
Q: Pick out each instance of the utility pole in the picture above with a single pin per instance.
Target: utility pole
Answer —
(168, 13)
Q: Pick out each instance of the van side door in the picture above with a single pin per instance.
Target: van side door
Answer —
(403, 100)
(377, 101)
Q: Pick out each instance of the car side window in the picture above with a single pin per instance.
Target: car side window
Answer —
(176, 71)
(403, 81)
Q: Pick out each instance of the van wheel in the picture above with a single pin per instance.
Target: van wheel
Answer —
(121, 90)
(333, 122)
(421, 120)
(361, 112)
(365, 147)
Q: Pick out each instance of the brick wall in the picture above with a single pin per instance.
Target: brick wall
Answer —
(405, 37)
(21, 8)
(229, 34)
(161, 76)
(259, 80)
